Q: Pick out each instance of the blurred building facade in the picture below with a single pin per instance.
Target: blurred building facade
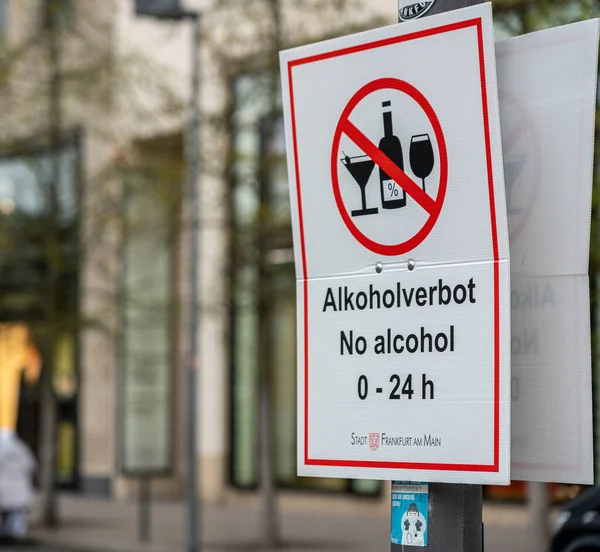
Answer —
(119, 373)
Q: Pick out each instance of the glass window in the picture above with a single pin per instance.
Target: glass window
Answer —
(151, 194)
(146, 346)
(251, 108)
(25, 183)
(24, 192)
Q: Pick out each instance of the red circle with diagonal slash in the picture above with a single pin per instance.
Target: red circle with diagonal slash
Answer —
(433, 207)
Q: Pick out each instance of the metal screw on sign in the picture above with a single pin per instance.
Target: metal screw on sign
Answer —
(379, 268)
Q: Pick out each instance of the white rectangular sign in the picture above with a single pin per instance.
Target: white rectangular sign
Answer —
(547, 86)
(401, 249)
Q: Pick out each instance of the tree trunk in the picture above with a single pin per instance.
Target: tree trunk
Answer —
(270, 516)
(47, 448)
(52, 250)
(270, 521)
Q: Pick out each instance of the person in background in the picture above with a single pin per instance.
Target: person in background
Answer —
(17, 467)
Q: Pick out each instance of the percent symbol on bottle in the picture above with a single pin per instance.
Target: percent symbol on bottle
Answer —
(393, 189)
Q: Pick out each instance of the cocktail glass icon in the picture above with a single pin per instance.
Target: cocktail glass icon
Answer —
(361, 167)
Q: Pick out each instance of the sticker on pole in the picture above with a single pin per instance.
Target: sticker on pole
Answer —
(401, 254)
(410, 513)
(409, 9)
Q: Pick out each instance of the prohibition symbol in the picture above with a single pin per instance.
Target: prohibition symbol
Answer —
(407, 207)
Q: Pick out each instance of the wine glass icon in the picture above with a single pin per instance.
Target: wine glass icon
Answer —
(361, 167)
(421, 156)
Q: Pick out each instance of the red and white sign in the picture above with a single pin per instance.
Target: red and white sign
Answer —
(401, 251)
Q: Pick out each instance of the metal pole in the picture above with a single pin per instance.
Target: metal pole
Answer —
(455, 511)
(144, 498)
(193, 177)
(537, 498)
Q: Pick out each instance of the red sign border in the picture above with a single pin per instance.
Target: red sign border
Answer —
(413, 93)
(494, 467)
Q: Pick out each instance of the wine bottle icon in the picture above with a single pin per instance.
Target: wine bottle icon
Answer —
(392, 196)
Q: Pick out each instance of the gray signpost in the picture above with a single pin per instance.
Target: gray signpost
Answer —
(172, 10)
(455, 523)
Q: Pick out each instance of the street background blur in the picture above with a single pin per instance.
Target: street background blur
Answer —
(94, 268)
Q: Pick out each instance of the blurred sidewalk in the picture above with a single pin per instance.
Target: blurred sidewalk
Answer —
(107, 526)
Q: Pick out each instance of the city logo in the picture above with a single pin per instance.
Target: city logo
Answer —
(374, 441)
(409, 9)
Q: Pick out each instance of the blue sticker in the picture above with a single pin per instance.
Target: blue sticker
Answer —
(410, 502)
